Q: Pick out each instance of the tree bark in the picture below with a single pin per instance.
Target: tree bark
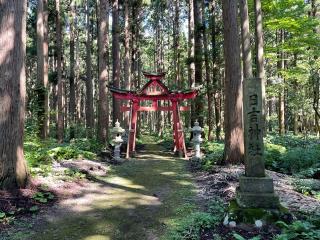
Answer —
(246, 46)
(13, 170)
(234, 142)
(176, 44)
(42, 69)
(215, 74)
(315, 4)
(191, 56)
(115, 58)
(260, 56)
(198, 55)
(103, 46)
(60, 124)
(89, 84)
(72, 103)
(280, 66)
(208, 80)
(127, 64)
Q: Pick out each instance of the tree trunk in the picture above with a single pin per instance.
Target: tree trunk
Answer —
(127, 64)
(280, 55)
(89, 84)
(316, 77)
(72, 103)
(260, 56)
(42, 69)
(246, 46)
(176, 44)
(13, 170)
(198, 40)
(115, 58)
(234, 143)
(270, 111)
(191, 56)
(103, 47)
(215, 74)
(60, 124)
(208, 80)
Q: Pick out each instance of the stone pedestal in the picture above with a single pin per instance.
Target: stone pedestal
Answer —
(256, 192)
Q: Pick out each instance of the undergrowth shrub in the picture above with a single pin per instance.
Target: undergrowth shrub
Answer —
(191, 226)
(40, 154)
(214, 154)
(304, 230)
(273, 155)
(287, 154)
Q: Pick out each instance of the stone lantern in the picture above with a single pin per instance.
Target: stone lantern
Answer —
(117, 140)
(196, 139)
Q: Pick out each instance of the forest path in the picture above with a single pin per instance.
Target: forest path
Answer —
(138, 200)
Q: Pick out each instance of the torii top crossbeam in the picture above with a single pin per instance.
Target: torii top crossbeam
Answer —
(155, 90)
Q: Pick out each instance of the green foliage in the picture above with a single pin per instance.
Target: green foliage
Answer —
(41, 154)
(308, 187)
(34, 209)
(239, 237)
(2, 215)
(214, 154)
(288, 154)
(74, 174)
(298, 230)
(190, 227)
(273, 154)
(43, 197)
(292, 154)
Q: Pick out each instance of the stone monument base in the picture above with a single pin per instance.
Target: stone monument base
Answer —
(256, 192)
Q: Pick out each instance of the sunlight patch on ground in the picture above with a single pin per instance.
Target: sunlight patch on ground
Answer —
(126, 200)
(168, 173)
(185, 183)
(125, 182)
(97, 237)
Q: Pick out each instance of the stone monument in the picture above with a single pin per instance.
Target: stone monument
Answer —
(255, 190)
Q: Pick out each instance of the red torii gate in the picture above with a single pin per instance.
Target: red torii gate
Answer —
(155, 90)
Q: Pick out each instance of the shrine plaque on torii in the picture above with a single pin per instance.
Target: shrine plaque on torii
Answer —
(155, 90)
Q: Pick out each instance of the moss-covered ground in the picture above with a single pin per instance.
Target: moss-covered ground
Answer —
(140, 199)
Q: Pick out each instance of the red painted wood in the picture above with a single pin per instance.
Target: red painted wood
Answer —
(133, 128)
(153, 109)
(175, 126)
(173, 96)
(155, 90)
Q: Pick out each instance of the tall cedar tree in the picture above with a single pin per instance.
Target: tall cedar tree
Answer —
(89, 83)
(234, 144)
(42, 68)
(13, 170)
(115, 58)
(127, 63)
(103, 47)
(208, 78)
(198, 46)
(72, 102)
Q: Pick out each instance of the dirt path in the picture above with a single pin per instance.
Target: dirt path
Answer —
(138, 200)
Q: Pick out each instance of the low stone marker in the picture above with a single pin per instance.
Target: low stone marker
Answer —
(255, 188)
